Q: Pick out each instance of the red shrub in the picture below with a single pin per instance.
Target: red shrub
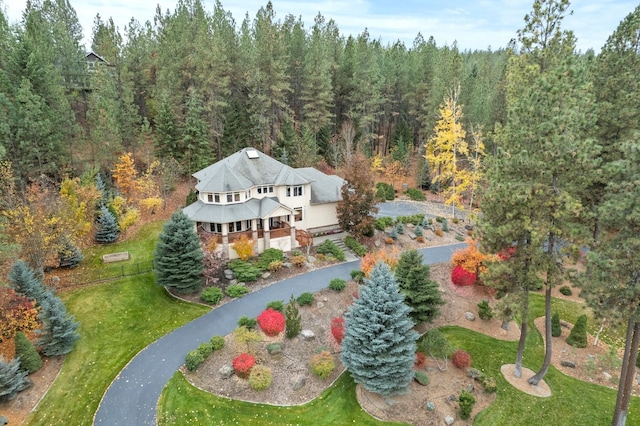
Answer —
(242, 364)
(459, 276)
(337, 329)
(421, 361)
(506, 253)
(271, 322)
(461, 359)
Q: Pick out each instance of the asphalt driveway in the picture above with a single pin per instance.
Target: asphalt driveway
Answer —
(133, 396)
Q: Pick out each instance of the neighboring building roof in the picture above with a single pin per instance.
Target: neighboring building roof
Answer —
(324, 188)
(245, 169)
(92, 56)
(224, 213)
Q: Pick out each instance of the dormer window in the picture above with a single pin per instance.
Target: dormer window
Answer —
(265, 189)
(294, 191)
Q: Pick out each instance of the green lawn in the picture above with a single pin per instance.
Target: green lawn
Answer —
(117, 320)
(181, 404)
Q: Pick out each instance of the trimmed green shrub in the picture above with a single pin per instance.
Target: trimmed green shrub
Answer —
(217, 343)
(556, 330)
(212, 295)
(268, 256)
(421, 377)
(578, 335)
(466, 402)
(445, 225)
(485, 311)
(249, 323)
(276, 265)
(414, 218)
(393, 233)
(400, 228)
(329, 247)
(193, 360)
(565, 290)
(488, 383)
(305, 299)
(30, 360)
(205, 348)
(274, 348)
(354, 245)
(418, 231)
(382, 223)
(237, 290)
(322, 364)
(260, 377)
(357, 275)
(337, 284)
(276, 305)
(415, 194)
(244, 271)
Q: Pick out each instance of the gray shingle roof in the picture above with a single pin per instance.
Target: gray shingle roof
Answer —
(238, 172)
(324, 188)
(224, 213)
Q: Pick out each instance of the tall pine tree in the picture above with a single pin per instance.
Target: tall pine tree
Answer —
(178, 256)
(421, 294)
(60, 329)
(379, 344)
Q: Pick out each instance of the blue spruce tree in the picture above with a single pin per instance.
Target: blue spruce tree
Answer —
(379, 344)
(60, 329)
(25, 281)
(178, 258)
(107, 230)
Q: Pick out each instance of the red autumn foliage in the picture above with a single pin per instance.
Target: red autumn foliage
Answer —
(420, 362)
(337, 329)
(272, 322)
(17, 313)
(506, 253)
(462, 277)
(461, 359)
(242, 364)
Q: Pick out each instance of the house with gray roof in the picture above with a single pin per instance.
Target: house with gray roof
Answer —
(252, 194)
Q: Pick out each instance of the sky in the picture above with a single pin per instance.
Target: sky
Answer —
(473, 24)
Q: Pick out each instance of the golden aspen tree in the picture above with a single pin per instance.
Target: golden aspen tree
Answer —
(125, 175)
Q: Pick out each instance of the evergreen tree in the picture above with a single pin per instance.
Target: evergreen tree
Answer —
(70, 256)
(167, 132)
(25, 281)
(421, 294)
(12, 379)
(556, 330)
(60, 329)
(578, 335)
(178, 257)
(107, 230)
(195, 135)
(292, 319)
(30, 360)
(379, 344)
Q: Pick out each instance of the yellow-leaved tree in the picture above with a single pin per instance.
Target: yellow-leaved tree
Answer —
(125, 175)
(244, 247)
(446, 148)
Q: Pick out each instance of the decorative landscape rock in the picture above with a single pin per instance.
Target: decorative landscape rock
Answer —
(430, 406)
(226, 371)
(469, 316)
(228, 274)
(298, 381)
(307, 335)
(233, 282)
(569, 364)
(311, 259)
(266, 275)
(412, 235)
(449, 420)
(606, 375)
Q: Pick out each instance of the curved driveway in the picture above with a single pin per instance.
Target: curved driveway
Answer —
(133, 396)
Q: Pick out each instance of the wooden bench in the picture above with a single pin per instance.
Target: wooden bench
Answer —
(115, 257)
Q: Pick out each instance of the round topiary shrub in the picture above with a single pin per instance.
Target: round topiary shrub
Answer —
(462, 277)
(276, 305)
(466, 401)
(212, 295)
(217, 343)
(237, 290)
(565, 290)
(421, 377)
(271, 322)
(461, 359)
(247, 322)
(485, 311)
(30, 360)
(242, 364)
(260, 377)
(193, 359)
(322, 364)
(305, 299)
(337, 284)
